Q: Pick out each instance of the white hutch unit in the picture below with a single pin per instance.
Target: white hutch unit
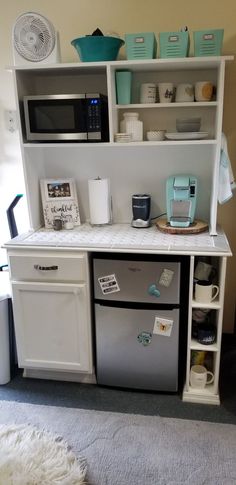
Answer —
(49, 303)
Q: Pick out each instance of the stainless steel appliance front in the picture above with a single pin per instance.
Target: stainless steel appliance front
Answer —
(66, 117)
(137, 323)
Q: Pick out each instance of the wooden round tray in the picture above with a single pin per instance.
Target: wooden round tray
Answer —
(195, 228)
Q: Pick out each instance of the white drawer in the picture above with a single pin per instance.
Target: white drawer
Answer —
(48, 267)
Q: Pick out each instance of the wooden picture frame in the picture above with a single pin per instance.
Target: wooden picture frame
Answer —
(59, 199)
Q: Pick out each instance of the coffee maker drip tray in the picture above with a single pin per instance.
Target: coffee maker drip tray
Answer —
(181, 210)
(180, 221)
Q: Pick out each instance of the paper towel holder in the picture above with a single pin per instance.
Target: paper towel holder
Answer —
(100, 201)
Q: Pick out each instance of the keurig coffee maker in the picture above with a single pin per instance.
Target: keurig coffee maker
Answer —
(141, 207)
(181, 198)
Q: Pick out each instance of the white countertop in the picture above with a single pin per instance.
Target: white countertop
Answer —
(123, 238)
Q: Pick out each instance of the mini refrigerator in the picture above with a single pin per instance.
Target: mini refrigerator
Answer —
(137, 314)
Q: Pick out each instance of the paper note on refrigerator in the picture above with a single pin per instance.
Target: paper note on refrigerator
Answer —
(166, 277)
(163, 326)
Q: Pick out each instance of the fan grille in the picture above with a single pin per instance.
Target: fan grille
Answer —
(34, 37)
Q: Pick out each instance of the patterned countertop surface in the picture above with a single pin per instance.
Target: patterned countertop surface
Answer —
(123, 237)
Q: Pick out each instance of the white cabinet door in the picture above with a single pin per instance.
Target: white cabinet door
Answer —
(52, 325)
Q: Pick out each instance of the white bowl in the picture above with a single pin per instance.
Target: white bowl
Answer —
(158, 135)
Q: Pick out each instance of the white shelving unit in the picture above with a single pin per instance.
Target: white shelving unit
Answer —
(210, 394)
(132, 168)
(162, 159)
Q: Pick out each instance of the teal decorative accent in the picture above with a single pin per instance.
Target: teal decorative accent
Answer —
(141, 45)
(97, 48)
(174, 44)
(153, 290)
(144, 338)
(208, 42)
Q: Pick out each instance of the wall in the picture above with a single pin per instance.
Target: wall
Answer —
(75, 18)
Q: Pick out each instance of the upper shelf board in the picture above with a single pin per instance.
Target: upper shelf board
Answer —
(169, 64)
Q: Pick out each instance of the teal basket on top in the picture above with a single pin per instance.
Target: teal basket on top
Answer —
(208, 42)
(174, 44)
(142, 45)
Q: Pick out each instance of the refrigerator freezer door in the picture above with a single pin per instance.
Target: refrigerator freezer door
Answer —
(137, 281)
(130, 354)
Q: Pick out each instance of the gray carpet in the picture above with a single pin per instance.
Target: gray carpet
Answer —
(127, 449)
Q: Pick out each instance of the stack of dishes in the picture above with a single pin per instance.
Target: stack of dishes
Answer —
(123, 137)
(184, 125)
(187, 129)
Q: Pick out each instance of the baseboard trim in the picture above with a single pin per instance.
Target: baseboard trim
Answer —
(201, 399)
(60, 376)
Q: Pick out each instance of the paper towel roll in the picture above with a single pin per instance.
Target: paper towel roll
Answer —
(99, 201)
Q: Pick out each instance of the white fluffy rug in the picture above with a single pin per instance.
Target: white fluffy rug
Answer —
(32, 456)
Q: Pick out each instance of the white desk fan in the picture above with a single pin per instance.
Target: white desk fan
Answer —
(34, 40)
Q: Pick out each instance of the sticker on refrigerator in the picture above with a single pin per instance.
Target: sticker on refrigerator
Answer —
(108, 284)
(166, 277)
(144, 338)
(163, 326)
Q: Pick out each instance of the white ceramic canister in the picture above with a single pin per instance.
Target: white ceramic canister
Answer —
(131, 124)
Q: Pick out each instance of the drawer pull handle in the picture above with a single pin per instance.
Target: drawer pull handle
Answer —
(45, 268)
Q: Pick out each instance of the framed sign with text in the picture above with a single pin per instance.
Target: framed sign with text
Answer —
(59, 199)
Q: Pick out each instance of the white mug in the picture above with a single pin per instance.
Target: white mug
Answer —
(166, 92)
(200, 376)
(203, 91)
(203, 270)
(205, 292)
(148, 93)
(184, 93)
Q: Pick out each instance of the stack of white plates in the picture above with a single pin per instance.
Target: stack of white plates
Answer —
(190, 135)
(123, 137)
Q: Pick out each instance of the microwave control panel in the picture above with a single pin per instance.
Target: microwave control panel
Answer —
(94, 118)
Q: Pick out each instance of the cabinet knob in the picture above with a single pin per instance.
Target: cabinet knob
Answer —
(45, 268)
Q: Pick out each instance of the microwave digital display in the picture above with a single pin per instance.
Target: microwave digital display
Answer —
(82, 117)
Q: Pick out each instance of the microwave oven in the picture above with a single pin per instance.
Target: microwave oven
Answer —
(66, 117)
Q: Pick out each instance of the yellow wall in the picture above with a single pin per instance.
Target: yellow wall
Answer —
(73, 18)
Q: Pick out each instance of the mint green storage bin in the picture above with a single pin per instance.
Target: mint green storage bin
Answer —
(174, 44)
(208, 42)
(142, 45)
